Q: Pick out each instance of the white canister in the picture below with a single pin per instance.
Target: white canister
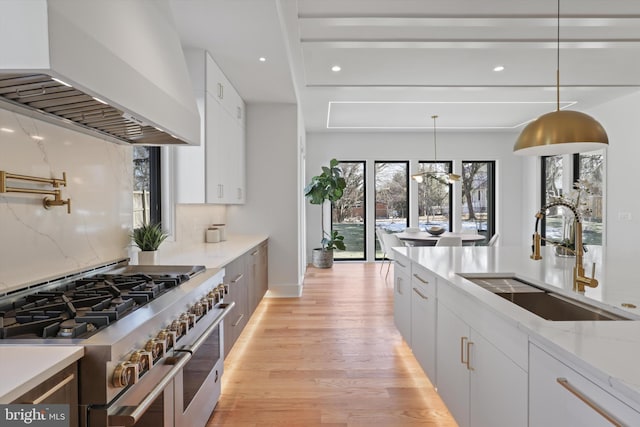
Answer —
(213, 235)
(223, 231)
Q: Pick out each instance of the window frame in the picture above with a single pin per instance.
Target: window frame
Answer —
(491, 198)
(336, 256)
(375, 197)
(449, 163)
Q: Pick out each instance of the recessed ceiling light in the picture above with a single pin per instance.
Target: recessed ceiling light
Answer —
(336, 68)
(498, 68)
(99, 100)
(262, 59)
(7, 130)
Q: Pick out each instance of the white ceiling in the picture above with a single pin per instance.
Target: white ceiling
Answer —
(405, 60)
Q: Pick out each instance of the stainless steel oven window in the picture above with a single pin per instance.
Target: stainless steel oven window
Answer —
(200, 366)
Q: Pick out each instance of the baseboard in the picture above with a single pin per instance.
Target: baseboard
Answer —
(284, 291)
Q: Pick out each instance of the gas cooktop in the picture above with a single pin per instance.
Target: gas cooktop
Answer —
(80, 307)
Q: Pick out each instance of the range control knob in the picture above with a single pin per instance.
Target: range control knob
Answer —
(169, 338)
(197, 309)
(157, 347)
(143, 359)
(178, 327)
(124, 374)
(189, 319)
(207, 304)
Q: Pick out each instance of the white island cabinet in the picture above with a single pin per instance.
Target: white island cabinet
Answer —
(560, 396)
(423, 316)
(480, 383)
(498, 364)
(402, 297)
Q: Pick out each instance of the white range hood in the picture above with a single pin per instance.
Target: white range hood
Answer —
(108, 68)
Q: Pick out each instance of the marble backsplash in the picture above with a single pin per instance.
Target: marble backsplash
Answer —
(37, 244)
(192, 221)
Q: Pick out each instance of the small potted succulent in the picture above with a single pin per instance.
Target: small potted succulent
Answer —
(148, 238)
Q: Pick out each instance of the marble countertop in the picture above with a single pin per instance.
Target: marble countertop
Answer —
(607, 350)
(29, 365)
(211, 255)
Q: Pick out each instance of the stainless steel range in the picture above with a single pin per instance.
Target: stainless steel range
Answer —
(152, 336)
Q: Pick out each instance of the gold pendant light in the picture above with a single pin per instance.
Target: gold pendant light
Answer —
(561, 132)
(450, 178)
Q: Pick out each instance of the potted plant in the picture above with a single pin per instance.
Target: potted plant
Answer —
(148, 238)
(326, 187)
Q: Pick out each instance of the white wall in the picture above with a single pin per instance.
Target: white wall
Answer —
(272, 191)
(456, 146)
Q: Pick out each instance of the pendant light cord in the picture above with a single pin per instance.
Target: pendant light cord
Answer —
(558, 61)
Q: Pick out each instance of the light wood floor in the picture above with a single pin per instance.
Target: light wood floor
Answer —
(330, 358)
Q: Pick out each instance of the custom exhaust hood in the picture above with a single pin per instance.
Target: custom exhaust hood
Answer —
(112, 69)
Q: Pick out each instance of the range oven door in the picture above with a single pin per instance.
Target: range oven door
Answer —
(197, 387)
(184, 393)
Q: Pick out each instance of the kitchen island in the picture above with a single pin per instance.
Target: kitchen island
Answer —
(601, 353)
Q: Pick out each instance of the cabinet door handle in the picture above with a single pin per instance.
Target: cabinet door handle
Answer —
(469, 344)
(590, 403)
(220, 91)
(420, 293)
(238, 277)
(239, 112)
(401, 264)
(66, 380)
(255, 253)
(398, 288)
(238, 321)
(426, 282)
(463, 340)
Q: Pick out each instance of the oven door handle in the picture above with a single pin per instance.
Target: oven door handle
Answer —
(129, 415)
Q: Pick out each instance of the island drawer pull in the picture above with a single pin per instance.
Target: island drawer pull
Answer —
(469, 367)
(238, 277)
(590, 403)
(426, 282)
(401, 264)
(420, 293)
(66, 380)
(463, 340)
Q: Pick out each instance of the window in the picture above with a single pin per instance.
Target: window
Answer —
(478, 198)
(348, 215)
(590, 167)
(586, 166)
(146, 185)
(552, 186)
(434, 196)
(391, 198)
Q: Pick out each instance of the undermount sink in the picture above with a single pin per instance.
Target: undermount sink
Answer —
(546, 304)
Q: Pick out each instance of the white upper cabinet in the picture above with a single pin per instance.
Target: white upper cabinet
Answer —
(215, 173)
(224, 135)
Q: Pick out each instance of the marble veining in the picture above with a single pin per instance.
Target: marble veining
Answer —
(38, 243)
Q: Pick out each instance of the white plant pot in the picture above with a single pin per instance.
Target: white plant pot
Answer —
(147, 257)
(322, 259)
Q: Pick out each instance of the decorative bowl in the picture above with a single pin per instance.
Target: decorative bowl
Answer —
(435, 231)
